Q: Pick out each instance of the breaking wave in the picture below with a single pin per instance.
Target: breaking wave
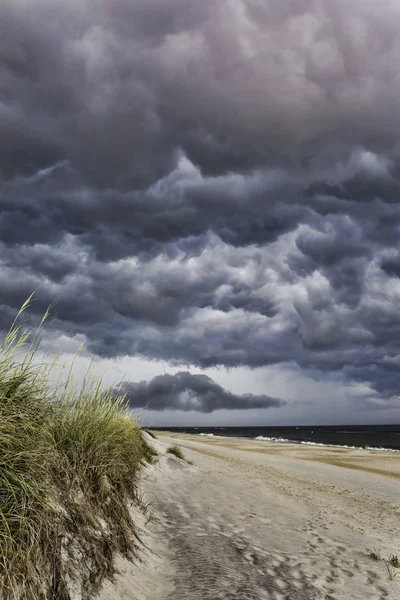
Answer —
(285, 440)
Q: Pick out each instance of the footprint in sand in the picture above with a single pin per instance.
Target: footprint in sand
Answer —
(348, 573)
(372, 577)
(281, 583)
(332, 577)
(356, 566)
(276, 563)
(297, 575)
(383, 591)
(299, 585)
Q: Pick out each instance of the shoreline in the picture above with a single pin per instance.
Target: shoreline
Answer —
(281, 440)
(253, 521)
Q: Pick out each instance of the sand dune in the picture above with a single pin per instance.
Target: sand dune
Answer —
(254, 520)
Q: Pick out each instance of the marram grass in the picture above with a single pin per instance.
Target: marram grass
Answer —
(69, 464)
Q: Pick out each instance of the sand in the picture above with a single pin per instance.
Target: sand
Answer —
(259, 520)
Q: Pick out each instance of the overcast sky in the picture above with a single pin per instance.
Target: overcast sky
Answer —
(211, 193)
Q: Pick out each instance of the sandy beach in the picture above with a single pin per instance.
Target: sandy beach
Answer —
(255, 520)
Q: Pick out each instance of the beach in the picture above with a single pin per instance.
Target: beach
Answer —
(256, 520)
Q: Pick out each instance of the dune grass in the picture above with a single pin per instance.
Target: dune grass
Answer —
(69, 464)
(177, 451)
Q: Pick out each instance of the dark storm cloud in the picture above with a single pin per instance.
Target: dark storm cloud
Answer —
(185, 391)
(117, 87)
(208, 183)
(240, 209)
(391, 266)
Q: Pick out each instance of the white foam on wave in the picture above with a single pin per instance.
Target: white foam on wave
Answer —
(281, 440)
(381, 449)
(374, 448)
(332, 445)
(272, 439)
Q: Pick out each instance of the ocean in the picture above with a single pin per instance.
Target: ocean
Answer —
(385, 437)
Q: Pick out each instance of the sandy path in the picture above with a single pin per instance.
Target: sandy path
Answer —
(256, 520)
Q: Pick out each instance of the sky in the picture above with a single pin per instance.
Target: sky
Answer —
(209, 193)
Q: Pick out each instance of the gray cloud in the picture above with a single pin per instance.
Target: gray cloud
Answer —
(117, 87)
(185, 391)
(207, 184)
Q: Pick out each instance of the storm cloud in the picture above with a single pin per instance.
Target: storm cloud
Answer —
(185, 391)
(206, 184)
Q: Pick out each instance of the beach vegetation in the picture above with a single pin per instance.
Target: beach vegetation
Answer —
(394, 561)
(176, 451)
(374, 554)
(391, 570)
(70, 457)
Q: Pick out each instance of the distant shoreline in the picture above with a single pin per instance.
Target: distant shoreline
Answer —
(370, 437)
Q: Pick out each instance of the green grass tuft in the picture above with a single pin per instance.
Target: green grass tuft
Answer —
(391, 570)
(69, 465)
(394, 561)
(374, 554)
(177, 451)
